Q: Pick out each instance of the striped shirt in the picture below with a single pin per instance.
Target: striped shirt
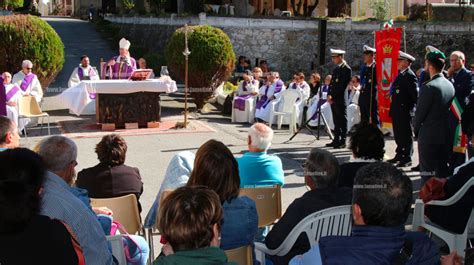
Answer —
(58, 202)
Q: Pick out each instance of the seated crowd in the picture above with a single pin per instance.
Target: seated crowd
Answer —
(204, 215)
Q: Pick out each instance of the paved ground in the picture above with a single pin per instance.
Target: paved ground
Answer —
(152, 153)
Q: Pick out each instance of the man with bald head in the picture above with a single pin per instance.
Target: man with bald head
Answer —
(256, 167)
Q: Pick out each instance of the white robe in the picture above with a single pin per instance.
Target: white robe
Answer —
(264, 112)
(248, 114)
(352, 109)
(325, 110)
(34, 89)
(12, 111)
(74, 80)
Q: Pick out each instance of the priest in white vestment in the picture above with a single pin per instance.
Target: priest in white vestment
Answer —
(13, 94)
(244, 101)
(299, 84)
(320, 101)
(352, 102)
(83, 72)
(269, 97)
(28, 82)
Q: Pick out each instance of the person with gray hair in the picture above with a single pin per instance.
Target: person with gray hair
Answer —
(269, 96)
(256, 167)
(28, 82)
(321, 172)
(58, 202)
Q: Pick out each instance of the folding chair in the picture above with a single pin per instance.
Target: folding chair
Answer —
(28, 107)
(267, 201)
(241, 256)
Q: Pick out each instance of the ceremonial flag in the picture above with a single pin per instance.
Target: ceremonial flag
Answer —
(387, 45)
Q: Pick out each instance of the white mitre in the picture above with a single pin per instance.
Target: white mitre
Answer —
(124, 44)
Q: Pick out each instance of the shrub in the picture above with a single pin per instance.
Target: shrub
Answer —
(400, 18)
(381, 9)
(210, 63)
(28, 37)
(194, 6)
(7, 4)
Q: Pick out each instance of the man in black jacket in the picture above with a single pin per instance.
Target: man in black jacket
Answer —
(321, 171)
(431, 118)
(404, 96)
(341, 76)
(368, 92)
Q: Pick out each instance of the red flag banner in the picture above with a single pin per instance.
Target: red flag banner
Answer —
(387, 45)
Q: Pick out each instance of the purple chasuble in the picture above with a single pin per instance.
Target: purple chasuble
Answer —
(3, 101)
(122, 70)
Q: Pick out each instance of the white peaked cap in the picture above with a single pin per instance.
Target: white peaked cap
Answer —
(27, 63)
(335, 51)
(406, 56)
(367, 48)
(430, 48)
(124, 44)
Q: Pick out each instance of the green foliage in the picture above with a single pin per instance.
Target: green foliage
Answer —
(128, 5)
(210, 63)
(381, 9)
(7, 4)
(418, 12)
(28, 37)
(400, 18)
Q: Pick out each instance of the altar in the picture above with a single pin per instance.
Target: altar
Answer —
(119, 102)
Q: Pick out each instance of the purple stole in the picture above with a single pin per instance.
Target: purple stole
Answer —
(239, 102)
(278, 87)
(80, 72)
(27, 81)
(3, 101)
(323, 88)
(126, 70)
(12, 92)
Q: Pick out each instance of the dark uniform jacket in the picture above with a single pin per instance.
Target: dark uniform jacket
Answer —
(431, 116)
(463, 85)
(368, 81)
(341, 76)
(404, 93)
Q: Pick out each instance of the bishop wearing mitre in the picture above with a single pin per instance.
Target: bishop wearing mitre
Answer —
(122, 66)
(83, 72)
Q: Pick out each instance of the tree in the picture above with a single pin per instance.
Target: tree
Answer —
(28, 37)
(211, 60)
(10, 4)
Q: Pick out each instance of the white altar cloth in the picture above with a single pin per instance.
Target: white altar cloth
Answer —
(78, 97)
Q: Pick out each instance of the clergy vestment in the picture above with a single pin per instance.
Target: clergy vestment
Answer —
(13, 94)
(29, 84)
(265, 104)
(82, 73)
(3, 101)
(123, 67)
(320, 101)
(244, 102)
(353, 110)
(301, 103)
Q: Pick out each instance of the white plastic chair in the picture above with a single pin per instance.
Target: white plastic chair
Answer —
(335, 221)
(455, 241)
(288, 107)
(117, 249)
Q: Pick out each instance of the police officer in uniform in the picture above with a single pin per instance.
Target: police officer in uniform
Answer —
(404, 95)
(431, 118)
(368, 83)
(341, 76)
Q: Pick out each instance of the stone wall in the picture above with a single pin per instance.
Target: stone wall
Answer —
(291, 45)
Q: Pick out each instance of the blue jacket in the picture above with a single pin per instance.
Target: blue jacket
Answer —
(463, 83)
(374, 245)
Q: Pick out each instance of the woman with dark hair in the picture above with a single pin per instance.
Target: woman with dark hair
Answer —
(367, 145)
(190, 219)
(216, 168)
(111, 177)
(26, 237)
